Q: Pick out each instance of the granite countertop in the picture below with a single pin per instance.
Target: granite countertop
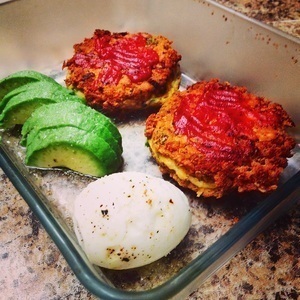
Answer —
(283, 15)
(268, 268)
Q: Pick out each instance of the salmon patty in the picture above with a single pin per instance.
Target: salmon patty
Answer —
(214, 137)
(123, 72)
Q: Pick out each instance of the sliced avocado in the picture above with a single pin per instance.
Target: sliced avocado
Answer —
(41, 92)
(71, 114)
(36, 86)
(103, 134)
(48, 88)
(55, 115)
(72, 148)
(19, 113)
(18, 79)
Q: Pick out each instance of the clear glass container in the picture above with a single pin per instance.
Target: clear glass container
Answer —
(214, 42)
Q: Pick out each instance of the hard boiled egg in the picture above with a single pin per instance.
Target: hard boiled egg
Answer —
(130, 219)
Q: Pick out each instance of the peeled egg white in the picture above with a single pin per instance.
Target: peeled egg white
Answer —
(130, 219)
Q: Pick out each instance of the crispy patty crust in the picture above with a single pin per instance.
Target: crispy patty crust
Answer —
(215, 137)
(124, 71)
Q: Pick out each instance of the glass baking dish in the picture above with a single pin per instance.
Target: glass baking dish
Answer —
(214, 42)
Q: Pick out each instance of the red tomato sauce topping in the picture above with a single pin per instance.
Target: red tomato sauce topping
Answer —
(219, 122)
(124, 56)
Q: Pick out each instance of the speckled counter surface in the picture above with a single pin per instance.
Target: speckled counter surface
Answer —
(283, 15)
(268, 268)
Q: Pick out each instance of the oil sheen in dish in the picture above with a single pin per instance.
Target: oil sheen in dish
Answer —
(130, 219)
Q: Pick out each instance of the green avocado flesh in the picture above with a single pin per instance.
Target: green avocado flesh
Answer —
(18, 114)
(29, 98)
(59, 129)
(32, 89)
(71, 114)
(18, 79)
(72, 148)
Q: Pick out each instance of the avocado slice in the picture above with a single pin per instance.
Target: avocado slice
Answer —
(20, 112)
(19, 79)
(103, 134)
(20, 106)
(34, 87)
(71, 114)
(72, 148)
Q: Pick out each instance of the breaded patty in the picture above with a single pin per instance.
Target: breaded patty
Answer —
(121, 72)
(215, 137)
